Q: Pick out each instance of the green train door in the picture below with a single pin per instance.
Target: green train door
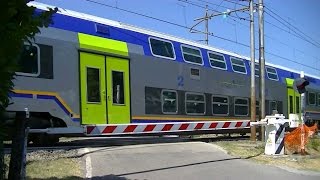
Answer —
(118, 90)
(293, 98)
(93, 89)
(105, 94)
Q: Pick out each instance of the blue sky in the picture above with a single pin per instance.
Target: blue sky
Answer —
(279, 40)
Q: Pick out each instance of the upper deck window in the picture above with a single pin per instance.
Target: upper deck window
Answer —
(162, 48)
(256, 69)
(192, 55)
(29, 62)
(272, 73)
(217, 60)
(238, 65)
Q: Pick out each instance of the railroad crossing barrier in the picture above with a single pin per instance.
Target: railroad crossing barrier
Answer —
(169, 127)
(275, 129)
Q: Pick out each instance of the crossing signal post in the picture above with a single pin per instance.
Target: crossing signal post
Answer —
(300, 85)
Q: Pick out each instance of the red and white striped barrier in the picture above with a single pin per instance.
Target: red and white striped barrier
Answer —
(141, 128)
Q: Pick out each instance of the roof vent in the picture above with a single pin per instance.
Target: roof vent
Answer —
(102, 29)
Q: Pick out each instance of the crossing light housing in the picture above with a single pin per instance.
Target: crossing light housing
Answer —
(300, 85)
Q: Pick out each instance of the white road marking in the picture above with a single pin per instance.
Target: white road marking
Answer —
(88, 164)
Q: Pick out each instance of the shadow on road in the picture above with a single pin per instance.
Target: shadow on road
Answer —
(107, 177)
(119, 176)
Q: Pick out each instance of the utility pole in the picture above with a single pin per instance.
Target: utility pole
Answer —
(253, 86)
(262, 68)
(207, 26)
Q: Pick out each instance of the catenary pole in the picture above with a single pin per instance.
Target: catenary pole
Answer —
(262, 67)
(253, 86)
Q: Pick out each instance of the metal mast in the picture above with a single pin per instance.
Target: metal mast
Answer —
(262, 67)
(253, 86)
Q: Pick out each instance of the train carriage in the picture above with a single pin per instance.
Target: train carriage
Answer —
(86, 71)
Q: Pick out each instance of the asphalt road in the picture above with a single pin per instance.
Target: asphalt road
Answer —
(184, 160)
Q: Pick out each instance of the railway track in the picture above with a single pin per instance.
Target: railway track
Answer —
(92, 142)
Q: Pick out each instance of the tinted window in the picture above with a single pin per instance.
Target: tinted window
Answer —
(93, 85)
(273, 106)
(257, 107)
(256, 69)
(162, 48)
(195, 104)
(169, 102)
(318, 99)
(312, 98)
(241, 107)
(29, 61)
(117, 87)
(238, 65)
(291, 104)
(220, 105)
(272, 73)
(297, 105)
(217, 61)
(191, 55)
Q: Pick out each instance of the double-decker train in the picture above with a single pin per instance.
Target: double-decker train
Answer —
(85, 70)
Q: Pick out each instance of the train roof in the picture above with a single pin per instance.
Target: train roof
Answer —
(122, 25)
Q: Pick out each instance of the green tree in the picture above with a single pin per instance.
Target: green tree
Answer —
(19, 24)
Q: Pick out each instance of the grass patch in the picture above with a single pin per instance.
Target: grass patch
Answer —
(52, 165)
(63, 168)
(255, 151)
(314, 144)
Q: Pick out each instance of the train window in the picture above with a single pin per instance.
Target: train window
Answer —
(93, 85)
(272, 73)
(195, 104)
(117, 87)
(29, 62)
(192, 55)
(238, 66)
(291, 104)
(217, 60)
(241, 107)
(318, 99)
(220, 105)
(297, 104)
(273, 106)
(162, 48)
(256, 69)
(311, 98)
(169, 102)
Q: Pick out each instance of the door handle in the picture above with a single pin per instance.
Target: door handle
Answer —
(104, 95)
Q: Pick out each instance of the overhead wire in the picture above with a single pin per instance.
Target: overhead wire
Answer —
(289, 24)
(185, 27)
(203, 7)
(295, 33)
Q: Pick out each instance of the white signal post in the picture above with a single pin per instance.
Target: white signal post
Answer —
(303, 106)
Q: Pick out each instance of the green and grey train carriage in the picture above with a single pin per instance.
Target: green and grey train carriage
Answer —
(84, 70)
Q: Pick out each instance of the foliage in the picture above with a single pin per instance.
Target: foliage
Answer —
(19, 24)
(314, 143)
